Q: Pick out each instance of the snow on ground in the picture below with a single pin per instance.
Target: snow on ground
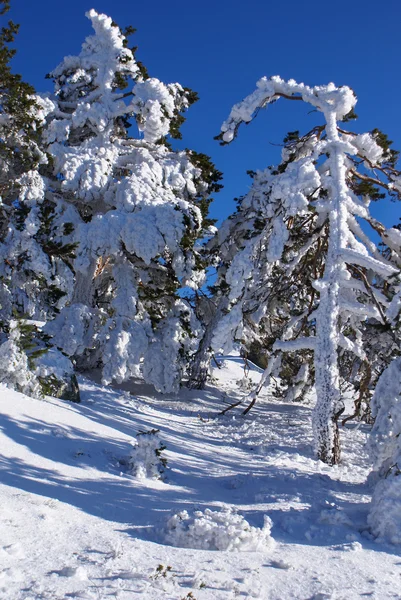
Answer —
(76, 524)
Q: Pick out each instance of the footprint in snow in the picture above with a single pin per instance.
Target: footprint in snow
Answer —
(78, 572)
(14, 550)
(279, 564)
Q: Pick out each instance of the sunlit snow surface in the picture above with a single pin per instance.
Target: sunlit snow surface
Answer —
(76, 524)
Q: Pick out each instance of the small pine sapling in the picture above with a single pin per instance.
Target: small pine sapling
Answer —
(146, 460)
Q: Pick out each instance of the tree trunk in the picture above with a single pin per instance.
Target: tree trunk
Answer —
(328, 397)
(84, 285)
(199, 370)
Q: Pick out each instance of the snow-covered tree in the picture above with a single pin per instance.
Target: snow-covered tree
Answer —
(136, 211)
(317, 253)
(34, 274)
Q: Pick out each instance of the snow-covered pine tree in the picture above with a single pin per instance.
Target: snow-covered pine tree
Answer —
(19, 151)
(338, 277)
(220, 249)
(240, 253)
(33, 278)
(137, 211)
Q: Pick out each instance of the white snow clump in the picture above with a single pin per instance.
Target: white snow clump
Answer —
(217, 530)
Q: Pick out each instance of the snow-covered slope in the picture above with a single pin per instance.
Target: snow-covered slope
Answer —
(76, 524)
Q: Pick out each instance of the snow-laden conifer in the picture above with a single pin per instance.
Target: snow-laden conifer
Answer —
(337, 277)
(35, 275)
(137, 209)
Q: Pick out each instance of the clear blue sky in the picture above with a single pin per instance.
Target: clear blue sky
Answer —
(221, 47)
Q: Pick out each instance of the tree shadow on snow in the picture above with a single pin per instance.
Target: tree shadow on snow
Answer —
(82, 469)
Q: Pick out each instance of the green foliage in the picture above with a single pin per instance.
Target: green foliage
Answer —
(350, 116)
(209, 172)
(21, 211)
(120, 81)
(49, 385)
(292, 136)
(188, 97)
(212, 177)
(58, 249)
(366, 188)
(21, 132)
(30, 340)
(390, 155)
(68, 228)
(48, 232)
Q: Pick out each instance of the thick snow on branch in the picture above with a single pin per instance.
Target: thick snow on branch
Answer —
(338, 101)
(301, 343)
(368, 148)
(155, 104)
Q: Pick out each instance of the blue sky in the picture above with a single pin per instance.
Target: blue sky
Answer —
(221, 48)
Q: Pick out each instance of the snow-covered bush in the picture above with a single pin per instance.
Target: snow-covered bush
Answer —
(29, 365)
(146, 460)
(384, 517)
(217, 530)
(15, 371)
(385, 449)
(56, 376)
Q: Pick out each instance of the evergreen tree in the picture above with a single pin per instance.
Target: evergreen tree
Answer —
(326, 277)
(33, 278)
(137, 210)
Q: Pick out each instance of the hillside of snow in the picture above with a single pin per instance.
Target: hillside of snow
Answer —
(243, 509)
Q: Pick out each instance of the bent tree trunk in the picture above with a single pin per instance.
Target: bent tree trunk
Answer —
(200, 366)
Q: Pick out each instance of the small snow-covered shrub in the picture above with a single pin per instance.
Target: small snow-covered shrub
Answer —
(216, 530)
(385, 450)
(14, 369)
(55, 373)
(245, 384)
(385, 513)
(146, 460)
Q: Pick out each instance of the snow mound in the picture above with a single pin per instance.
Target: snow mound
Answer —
(385, 513)
(217, 530)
